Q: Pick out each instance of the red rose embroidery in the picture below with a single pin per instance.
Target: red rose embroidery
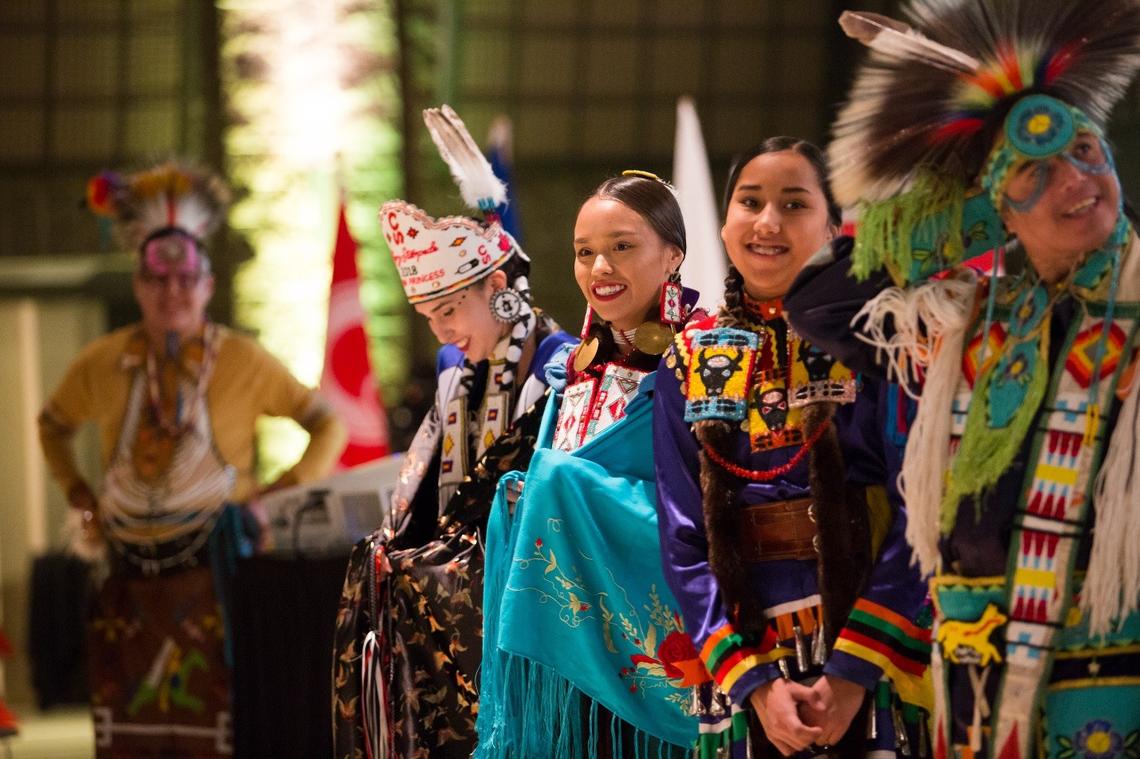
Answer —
(677, 647)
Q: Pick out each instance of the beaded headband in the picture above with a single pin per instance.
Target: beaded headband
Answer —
(1038, 128)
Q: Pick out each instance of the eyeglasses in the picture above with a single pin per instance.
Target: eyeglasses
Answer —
(1030, 180)
(184, 281)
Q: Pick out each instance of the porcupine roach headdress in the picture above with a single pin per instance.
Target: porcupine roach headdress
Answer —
(937, 119)
(165, 213)
(924, 109)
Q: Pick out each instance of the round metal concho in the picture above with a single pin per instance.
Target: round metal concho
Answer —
(653, 338)
(506, 305)
(585, 353)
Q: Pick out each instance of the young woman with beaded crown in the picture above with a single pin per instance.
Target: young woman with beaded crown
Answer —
(1026, 427)
(582, 650)
(779, 540)
(421, 572)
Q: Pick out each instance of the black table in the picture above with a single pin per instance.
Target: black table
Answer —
(283, 619)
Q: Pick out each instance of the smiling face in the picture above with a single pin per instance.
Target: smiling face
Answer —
(620, 262)
(775, 221)
(464, 318)
(173, 302)
(1070, 205)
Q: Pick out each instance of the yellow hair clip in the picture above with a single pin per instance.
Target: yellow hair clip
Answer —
(645, 175)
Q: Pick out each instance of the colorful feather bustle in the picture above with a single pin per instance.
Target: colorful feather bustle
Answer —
(916, 102)
(168, 195)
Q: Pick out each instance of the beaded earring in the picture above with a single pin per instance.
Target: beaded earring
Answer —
(654, 336)
(507, 305)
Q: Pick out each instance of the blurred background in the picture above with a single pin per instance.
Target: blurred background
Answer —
(294, 100)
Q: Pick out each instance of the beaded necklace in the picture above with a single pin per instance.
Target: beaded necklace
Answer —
(761, 315)
(1009, 392)
(181, 413)
(624, 336)
(765, 475)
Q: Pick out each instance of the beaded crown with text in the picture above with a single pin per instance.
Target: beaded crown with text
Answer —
(437, 257)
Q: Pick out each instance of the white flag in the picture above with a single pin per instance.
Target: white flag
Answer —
(705, 265)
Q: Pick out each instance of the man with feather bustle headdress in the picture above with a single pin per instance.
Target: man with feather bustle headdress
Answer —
(978, 128)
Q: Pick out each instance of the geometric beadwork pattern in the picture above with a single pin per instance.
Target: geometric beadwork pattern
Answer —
(1082, 356)
(1050, 493)
(453, 451)
(974, 352)
(574, 415)
(496, 411)
(719, 374)
(618, 388)
(1047, 533)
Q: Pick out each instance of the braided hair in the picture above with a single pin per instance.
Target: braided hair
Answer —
(719, 487)
(517, 269)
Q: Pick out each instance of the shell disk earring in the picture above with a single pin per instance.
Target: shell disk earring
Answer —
(654, 336)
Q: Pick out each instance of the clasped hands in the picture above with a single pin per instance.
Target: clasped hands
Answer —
(795, 716)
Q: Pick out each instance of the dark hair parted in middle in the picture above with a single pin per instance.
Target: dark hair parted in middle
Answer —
(652, 200)
(778, 145)
(719, 487)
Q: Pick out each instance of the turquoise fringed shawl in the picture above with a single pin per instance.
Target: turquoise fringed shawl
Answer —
(575, 603)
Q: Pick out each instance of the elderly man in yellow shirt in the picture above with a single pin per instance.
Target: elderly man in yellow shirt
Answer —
(175, 398)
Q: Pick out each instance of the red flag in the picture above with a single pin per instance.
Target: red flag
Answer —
(347, 380)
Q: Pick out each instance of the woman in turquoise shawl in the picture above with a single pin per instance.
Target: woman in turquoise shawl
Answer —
(583, 647)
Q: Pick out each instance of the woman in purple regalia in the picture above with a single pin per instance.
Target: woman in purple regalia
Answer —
(782, 546)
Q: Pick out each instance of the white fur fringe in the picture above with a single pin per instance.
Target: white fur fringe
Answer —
(929, 324)
(1112, 584)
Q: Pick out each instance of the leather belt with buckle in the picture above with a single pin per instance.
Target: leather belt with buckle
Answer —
(778, 530)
